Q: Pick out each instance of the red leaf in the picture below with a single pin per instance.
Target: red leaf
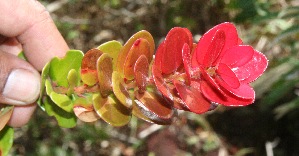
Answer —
(192, 97)
(160, 83)
(231, 39)
(154, 107)
(226, 98)
(227, 76)
(159, 55)
(252, 69)
(141, 72)
(172, 55)
(215, 48)
(140, 47)
(237, 56)
(187, 60)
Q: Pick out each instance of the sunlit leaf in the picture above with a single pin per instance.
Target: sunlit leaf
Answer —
(154, 107)
(139, 113)
(61, 100)
(111, 110)
(73, 80)
(141, 72)
(140, 47)
(192, 98)
(104, 69)
(126, 48)
(160, 82)
(60, 67)
(64, 118)
(119, 90)
(112, 48)
(83, 108)
(172, 55)
(6, 140)
(89, 74)
(5, 114)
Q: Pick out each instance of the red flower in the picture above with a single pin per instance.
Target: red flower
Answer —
(219, 72)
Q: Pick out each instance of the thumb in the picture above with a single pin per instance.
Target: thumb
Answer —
(19, 81)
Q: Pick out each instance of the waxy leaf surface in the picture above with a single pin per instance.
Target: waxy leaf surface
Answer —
(89, 73)
(154, 107)
(126, 48)
(140, 47)
(64, 118)
(104, 68)
(111, 110)
(83, 108)
(141, 69)
(60, 67)
(61, 100)
(112, 48)
(120, 91)
(172, 53)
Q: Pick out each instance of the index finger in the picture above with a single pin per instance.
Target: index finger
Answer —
(31, 24)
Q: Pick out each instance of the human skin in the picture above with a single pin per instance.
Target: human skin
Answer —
(25, 25)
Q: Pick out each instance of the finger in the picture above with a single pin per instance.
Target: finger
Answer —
(35, 30)
(21, 115)
(19, 81)
(10, 45)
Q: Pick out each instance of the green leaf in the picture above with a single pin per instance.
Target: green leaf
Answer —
(73, 81)
(60, 67)
(64, 118)
(61, 100)
(113, 49)
(6, 140)
(5, 114)
(44, 76)
(111, 110)
(21, 55)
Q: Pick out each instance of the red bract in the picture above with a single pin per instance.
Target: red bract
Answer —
(219, 71)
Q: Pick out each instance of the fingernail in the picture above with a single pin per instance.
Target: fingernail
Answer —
(22, 87)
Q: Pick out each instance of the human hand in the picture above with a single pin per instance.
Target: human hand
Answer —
(25, 25)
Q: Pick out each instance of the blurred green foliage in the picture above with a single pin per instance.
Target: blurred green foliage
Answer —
(271, 26)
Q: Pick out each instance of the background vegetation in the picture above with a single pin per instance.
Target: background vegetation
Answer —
(269, 126)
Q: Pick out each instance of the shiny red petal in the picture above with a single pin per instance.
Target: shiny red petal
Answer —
(172, 56)
(237, 56)
(227, 76)
(228, 99)
(215, 48)
(253, 69)
(192, 97)
(231, 39)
